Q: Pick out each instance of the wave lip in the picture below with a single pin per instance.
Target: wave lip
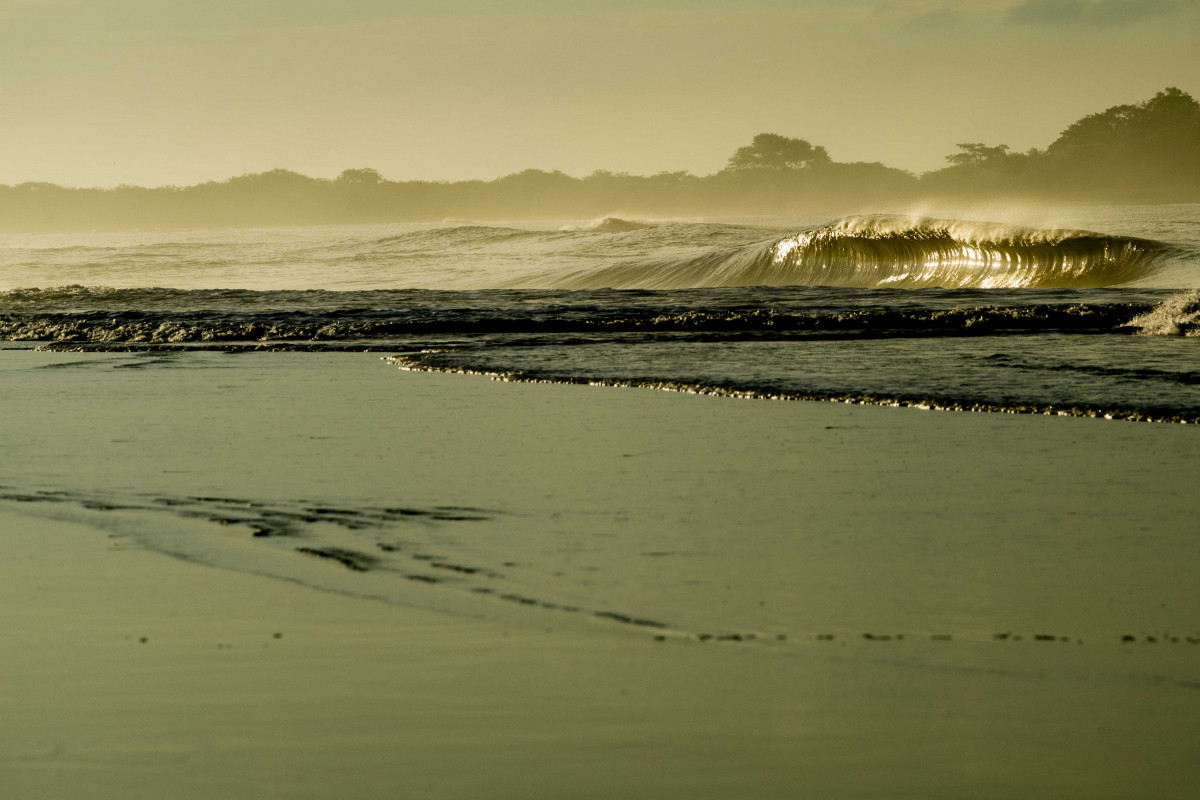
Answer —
(899, 252)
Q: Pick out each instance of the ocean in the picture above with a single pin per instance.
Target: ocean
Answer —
(1082, 311)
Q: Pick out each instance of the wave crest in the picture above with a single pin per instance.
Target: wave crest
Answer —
(899, 252)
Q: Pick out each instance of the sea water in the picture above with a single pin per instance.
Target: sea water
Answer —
(1091, 312)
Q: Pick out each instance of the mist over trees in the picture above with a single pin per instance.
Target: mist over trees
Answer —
(1143, 153)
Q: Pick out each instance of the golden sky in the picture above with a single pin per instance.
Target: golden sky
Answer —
(153, 92)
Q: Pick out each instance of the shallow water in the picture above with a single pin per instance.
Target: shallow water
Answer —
(649, 513)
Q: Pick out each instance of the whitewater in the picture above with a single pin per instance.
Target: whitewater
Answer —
(1092, 312)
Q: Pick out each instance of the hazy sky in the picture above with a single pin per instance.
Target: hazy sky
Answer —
(151, 92)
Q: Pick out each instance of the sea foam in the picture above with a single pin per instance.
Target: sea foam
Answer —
(1177, 316)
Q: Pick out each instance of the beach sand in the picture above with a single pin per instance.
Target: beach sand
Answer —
(672, 595)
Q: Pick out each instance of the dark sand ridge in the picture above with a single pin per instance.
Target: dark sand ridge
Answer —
(708, 515)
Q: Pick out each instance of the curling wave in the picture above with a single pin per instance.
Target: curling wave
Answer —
(898, 252)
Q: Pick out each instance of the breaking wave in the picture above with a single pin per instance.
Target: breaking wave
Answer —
(1177, 316)
(897, 252)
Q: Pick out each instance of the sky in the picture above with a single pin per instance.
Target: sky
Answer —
(162, 92)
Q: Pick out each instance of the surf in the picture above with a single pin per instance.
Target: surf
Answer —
(871, 252)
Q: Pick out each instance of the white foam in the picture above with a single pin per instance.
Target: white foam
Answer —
(1178, 315)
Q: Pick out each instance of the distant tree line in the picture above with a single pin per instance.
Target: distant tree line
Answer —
(1143, 153)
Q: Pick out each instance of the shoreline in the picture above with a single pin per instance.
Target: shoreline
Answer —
(414, 364)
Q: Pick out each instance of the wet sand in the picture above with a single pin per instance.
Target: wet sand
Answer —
(846, 601)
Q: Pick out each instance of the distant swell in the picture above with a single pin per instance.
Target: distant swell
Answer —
(894, 252)
(609, 225)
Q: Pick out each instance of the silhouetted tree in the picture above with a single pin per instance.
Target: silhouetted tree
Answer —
(1146, 152)
(360, 177)
(976, 153)
(1169, 115)
(773, 151)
